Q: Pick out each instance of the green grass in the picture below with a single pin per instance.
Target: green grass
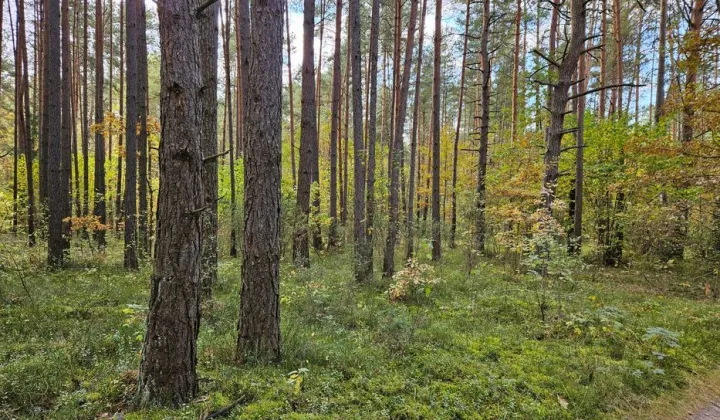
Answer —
(70, 343)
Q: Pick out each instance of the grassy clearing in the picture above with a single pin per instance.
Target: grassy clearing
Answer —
(475, 348)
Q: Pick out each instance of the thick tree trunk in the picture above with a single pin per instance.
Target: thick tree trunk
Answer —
(333, 239)
(208, 27)
(559, 96)
(398, 145)
(167, 369)
(410, 220)
(308, 140)
(436, 227)
(362, 266)
(99, 207)
(259, 326)
(131, 119)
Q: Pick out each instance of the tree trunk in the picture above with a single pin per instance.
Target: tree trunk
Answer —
(660, 95)
(208, 27)
(291, 99)
(485, 77)
(167, 369)
(576, 240)
(617, 31)
(259, 326)
(85, 117)
(242, 38)
(693, 63)
(232, 143)
(142, 137)
(453, 203)
(410, 249)
(559, 96)
(603, 60)
(99, 207)
(333, 239)
(362, 266)
(436, 228)
(516, 71)
(398, 144)
(371, 129)
(52, 127)
(308, 140)
(121, 137)
(131, 109)
(66, 123)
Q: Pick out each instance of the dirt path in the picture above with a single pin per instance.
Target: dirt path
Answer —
(700, 400)
(711, 412)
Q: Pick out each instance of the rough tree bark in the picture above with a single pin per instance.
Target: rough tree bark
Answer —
(131, 118)
(208, 27)
(167, 369)
(259, 326)
(362, 266)
(308, 140)
(565, 71)
(99, 207)
(142, 136)
(23, 123)
(436, 228)
(66, 122)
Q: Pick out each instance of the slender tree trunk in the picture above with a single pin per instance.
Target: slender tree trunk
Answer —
(52, 126)
(44, 146)
(208, 29)
(410, 249)
(242, 31)
(516, 70)
(292, 101)
(142, 136)
(346, 132)
(371, 131)
(111, 64)
(308, 140)
(259, 326)
(485, 78)
(436, 227)
(693, 63)
(99, 207)
(398, 144)
(603, 60)
(23, 113)
(85, 116)
(131, 119)
(334, 125)
(362, 266)
(617, 31)
(232, 142)
(167, 369)
(121, 137)
(66, 122)
(453, 222)
(576, 240)
(662, 40)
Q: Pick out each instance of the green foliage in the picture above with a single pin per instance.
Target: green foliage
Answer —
(474, 348)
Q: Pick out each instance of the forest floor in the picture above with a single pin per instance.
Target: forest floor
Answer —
(614, 344)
